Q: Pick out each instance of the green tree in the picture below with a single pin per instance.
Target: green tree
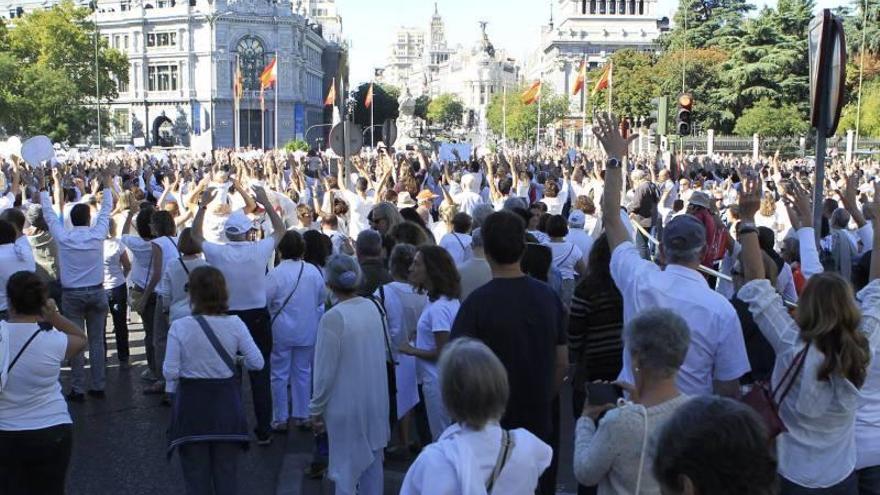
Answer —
(297, 145)
(869, 118)
(385, 105)
(522, 120)
(703, 80)
(445, 110)
(50, 89)
(422, 103)
(634, 84)
(768, 119)
(855, 25)
(706, 23)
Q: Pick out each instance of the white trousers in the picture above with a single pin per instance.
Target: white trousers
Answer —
(438, 419)
(291, 366)
(371, 481)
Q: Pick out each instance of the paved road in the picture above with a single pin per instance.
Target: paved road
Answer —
(119, 446)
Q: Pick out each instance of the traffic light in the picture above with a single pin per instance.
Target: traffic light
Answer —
(660, 114)
(683, 121)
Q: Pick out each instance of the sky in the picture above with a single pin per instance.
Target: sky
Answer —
(371, 25)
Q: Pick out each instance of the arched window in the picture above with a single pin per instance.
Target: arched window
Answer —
(632, 7)
(621, 9)
(252, 58)
(612, 6)
(583, 6)
(641, 7)
(592, 6)
(602, 6)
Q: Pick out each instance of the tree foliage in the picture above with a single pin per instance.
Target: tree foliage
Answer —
(47, 64)
(766, 118)
(522, 120)
(384, 101)
(422, 103)
(445, 110)
(869, 119)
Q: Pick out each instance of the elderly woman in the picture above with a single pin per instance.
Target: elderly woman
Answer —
(350, 395)
(613, 452)
(475, 455)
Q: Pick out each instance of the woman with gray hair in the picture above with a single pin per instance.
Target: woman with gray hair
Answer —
(350, 396)
(613, 452)
(475, 455)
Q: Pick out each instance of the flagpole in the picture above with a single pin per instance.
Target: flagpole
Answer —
(276, 99)
(372, 124)
(610, 83)
(538, 133)
(504, 115)
(584, 87)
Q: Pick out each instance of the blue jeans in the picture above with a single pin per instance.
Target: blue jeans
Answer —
(88, 308)
(849, 486)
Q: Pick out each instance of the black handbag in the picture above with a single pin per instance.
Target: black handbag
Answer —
(390, 363)
(763, 398)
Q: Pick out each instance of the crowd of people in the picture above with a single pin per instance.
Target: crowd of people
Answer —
(713, 338)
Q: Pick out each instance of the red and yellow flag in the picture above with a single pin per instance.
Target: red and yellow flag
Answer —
(238, 82)
(331, 95)
(604, 79)
(532, 94)
(581, 79)
(368, 102)
(269, 75)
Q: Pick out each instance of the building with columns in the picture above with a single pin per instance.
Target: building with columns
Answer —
(182, 59)
(591, 29)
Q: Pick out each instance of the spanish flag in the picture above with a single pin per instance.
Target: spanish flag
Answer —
(581, 79)
(532, 94)
(368, 102)
(269, 75)
(238, 82)
(331, 95)
(604, 79)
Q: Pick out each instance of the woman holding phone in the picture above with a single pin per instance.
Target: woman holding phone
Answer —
(613, 452)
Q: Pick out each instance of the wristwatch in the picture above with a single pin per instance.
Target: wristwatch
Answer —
(612, 162)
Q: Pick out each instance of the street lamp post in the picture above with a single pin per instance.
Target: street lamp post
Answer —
(212, 18)
(97, 78)
(306, 135)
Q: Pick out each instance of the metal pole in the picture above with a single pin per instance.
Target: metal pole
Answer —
(97, 78)
(277, 71)
(821, 130)
(372, 123)
(584, 105)
(538, 133)
(504, 115)
(211, 18)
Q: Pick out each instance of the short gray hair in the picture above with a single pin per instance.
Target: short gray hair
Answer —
(660, 338)
(369, 243)
(480, 213)
(473, 382)
(401, 259)
(342, 273)
(683, 256)
(513, 202)
(840, 218)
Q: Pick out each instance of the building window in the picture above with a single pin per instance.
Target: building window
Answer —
(253, 60)
(602, 6)
(122, 86)
(632, 7)
(121, 121)
(162, 78)
(612, 6)
(622, 7)
(125, 42)
(641, 7)
(592, 6)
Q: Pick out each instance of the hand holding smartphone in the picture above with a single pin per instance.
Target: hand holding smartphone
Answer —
(599, 394)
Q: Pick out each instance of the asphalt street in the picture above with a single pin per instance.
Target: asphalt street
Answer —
(119, 445)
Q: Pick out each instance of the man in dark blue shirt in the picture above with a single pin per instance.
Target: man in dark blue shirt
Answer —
(523, 321)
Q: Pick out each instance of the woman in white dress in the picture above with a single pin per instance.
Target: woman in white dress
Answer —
(403, 306)
(434, 273)
(350, 395)
(475, 455)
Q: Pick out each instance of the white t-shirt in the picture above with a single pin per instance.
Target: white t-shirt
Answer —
(244, 266)
(458, 246)
(174, 280)
(565, 257)
(141, 258)
(32, 398)
(170, 254)
(437, 316)
(113, 275)
(13, 258)
(358, 210)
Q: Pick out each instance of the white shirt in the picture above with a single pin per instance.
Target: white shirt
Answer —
(437, 316)
(32, 399)
(462, 459)
(819, 448)
(565, 257)
(358, 210)
(13, 259)
(458, 246)
(113, 275)
(190, 354)
(7, 201)
(80, 250)
(403, 307)
(244, 266)
(174, 279)
(297, 322)
(168, 246)
(717, 350)
(141, 256)
(582, 240)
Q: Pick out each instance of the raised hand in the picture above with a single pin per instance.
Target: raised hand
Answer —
(607, 131)
(749, 198)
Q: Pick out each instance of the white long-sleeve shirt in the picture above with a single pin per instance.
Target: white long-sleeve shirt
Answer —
(297, 321)
(190, 354)
(80, 250)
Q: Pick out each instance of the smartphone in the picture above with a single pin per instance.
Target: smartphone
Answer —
(599, 394)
